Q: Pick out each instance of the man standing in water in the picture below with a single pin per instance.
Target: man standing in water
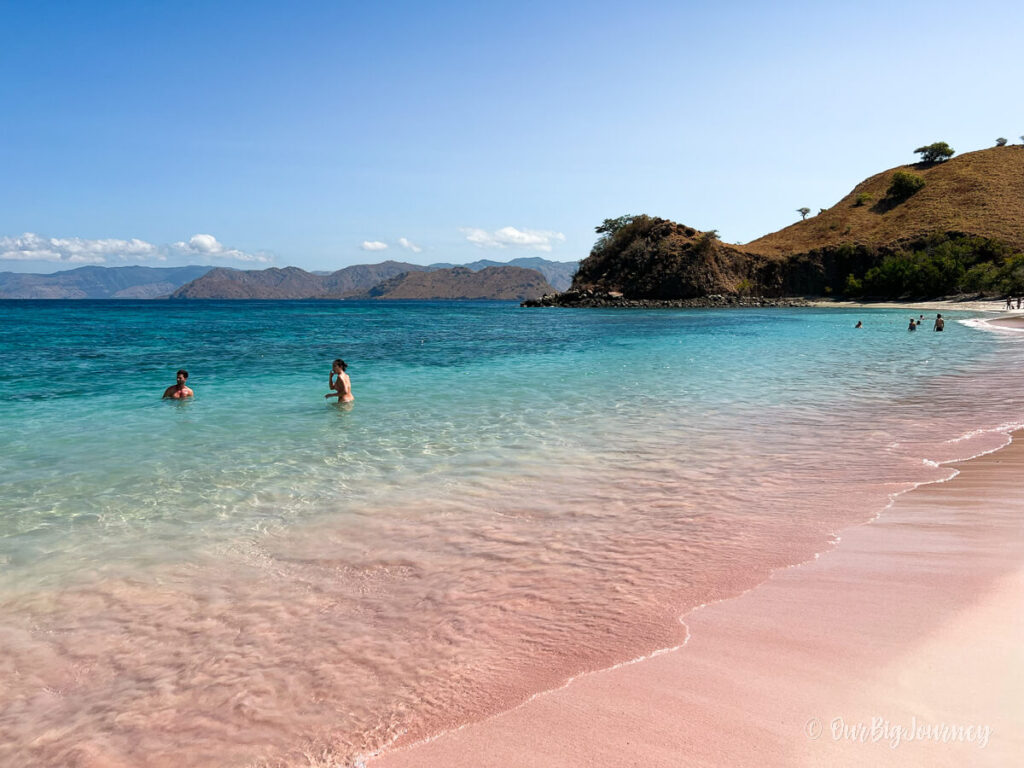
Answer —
(180, 390)
(342, 385)
(939, 323)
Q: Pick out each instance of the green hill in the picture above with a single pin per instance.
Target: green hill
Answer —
(956, 227)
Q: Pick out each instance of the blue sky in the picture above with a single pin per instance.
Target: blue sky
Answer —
(327, 134)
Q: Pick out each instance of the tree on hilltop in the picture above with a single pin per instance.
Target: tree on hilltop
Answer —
(611, 229)
(1000, 142)
(803, 212)
(611, 226)
(935, 152)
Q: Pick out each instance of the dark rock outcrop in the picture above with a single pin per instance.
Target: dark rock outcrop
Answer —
(657, 259)
(614, 300)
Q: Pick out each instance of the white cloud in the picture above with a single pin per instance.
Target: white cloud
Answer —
(79, 250)
(373, 245)
(410, 245)
(534, 239)
(207, 246)
(75, 250)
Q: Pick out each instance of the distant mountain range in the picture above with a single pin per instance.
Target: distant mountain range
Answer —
(290, 282)
(360, 281)
(204, 282)
(558, 273)
(388, 280)
(99, 283)
(501, 282)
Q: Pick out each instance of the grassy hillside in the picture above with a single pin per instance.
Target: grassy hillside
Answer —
(978, 193)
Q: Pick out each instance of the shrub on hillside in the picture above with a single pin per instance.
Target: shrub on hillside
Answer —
(1010, 279)
(853, 286)
(981, 278)
(862, 199)
(903, 185)
(941, 266)
(706, 242)
(1000, 142)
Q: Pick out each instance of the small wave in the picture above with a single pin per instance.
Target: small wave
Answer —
(986, 324)
(1006, 428)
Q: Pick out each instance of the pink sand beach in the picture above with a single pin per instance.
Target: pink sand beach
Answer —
(902, 645)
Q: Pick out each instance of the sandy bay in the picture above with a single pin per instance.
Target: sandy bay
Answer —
(711, 502)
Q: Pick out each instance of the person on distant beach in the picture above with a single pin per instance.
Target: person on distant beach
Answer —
(1018, 302)
(859, 324)
(913, 325)
(180, 390)
(1009, 303)
(342, 385)
(940, 324)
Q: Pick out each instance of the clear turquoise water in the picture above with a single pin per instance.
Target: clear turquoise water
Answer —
(515, 495)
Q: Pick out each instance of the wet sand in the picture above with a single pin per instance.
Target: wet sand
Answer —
(911, 623)
(1010, 321)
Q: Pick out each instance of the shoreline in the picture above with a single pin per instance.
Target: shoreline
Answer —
(949, 305)
(592, 300)
(908, 621)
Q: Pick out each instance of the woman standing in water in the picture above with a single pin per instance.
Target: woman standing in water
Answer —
(342, 386)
